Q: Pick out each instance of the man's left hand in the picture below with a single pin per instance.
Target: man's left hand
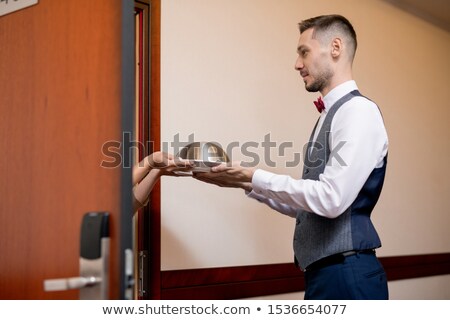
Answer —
(228, 175)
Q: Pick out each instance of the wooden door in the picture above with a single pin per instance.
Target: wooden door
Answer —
(60, 102)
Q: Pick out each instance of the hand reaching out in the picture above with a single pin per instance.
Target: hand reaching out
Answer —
(166, 162)
(228, 175)
(147, 172)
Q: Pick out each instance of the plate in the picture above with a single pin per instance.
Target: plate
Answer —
(204, 166)
(200, 166)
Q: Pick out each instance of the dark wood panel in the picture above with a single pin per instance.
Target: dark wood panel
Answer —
(416, 266)
(236, 290)
(231, 282)
(216, 276)
(270, 279)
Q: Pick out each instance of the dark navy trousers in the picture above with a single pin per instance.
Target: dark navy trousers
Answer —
(357, 277)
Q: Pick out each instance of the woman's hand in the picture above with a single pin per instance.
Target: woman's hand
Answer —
(166, 163)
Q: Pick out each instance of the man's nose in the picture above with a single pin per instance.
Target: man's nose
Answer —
(298, 64)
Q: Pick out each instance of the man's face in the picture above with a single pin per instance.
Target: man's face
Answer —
(313, 62)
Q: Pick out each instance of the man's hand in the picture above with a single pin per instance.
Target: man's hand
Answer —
(228, 175)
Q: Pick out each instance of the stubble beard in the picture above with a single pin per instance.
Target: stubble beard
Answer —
(321, 81)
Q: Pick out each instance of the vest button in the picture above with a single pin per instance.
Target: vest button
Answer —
(306, 171)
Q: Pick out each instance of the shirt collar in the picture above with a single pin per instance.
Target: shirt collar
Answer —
(337, 93)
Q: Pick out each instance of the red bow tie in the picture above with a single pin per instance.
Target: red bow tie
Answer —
(319, 105)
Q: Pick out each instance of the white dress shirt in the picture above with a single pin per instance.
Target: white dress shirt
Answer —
(359, 124)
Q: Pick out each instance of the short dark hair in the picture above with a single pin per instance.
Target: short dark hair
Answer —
(321, 24)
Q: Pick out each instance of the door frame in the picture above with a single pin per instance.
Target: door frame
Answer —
(148, 223)
(127, 123)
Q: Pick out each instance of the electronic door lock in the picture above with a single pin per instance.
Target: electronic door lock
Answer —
(94, 260)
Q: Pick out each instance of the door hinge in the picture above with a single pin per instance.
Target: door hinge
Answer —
(129, 274)
(143, 274)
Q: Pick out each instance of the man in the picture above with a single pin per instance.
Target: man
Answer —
(344, 169)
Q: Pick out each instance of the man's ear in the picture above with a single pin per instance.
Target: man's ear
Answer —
(336, 47)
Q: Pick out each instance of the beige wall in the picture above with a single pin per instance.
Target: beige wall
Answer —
(227, 74)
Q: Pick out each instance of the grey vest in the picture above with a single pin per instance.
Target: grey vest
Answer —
(317, 237)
